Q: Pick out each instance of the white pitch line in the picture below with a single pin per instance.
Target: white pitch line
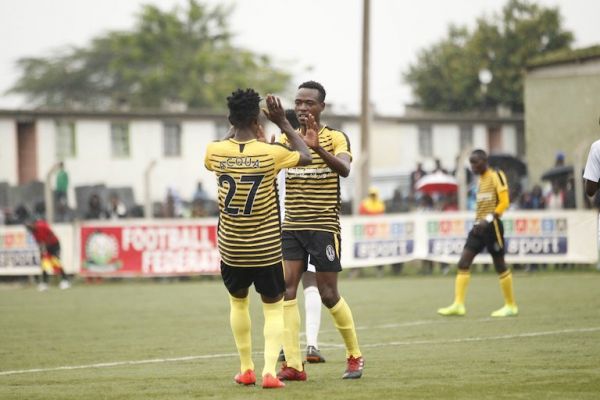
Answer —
(224, 355)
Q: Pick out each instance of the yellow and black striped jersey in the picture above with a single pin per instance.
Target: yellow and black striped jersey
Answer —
(249, 233)
(491, 184)
(312, 192)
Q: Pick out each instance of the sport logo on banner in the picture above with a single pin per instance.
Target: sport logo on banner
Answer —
(523, 236)
(383, 239)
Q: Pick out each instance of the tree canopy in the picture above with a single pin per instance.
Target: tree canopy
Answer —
(183, 56)
(445, 76)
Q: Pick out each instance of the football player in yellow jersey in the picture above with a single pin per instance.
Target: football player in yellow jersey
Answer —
(249, 233)
(487, 232)
(311, 233)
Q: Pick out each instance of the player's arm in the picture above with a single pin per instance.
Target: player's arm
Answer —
(341, 158)
(591, 187)
(339, 164)
(591, 174)
(502, 193)
(276, 114)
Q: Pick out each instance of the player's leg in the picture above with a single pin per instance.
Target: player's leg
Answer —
(325, 250)
(270, 283)
(475, 243)
(496, 248)
(293, 368)
(237, 282)
(312, 311)
(54, 252)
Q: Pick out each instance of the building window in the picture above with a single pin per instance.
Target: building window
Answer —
(65, 140)
(425, 141)
(119, 139)
(171, 139)
(466, 136)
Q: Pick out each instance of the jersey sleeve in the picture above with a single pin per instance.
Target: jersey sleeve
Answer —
(283, 156)
(207, 156)
(341, 143)
(501, 183)
(592, 166)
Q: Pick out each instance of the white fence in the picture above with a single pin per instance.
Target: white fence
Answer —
(188, 247)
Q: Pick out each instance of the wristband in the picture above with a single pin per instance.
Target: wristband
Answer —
(489, 218)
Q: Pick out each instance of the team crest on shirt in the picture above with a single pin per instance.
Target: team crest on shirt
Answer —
(330, 253)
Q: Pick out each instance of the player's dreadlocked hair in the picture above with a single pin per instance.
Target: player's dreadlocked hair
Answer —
(243, 107)
(317, 86)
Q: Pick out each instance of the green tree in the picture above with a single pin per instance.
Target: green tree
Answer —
(445, 76)
(182, 56)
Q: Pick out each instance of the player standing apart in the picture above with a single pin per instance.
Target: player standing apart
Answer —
(487, 232)
(49, 251)
(311, 229)
(249, 226)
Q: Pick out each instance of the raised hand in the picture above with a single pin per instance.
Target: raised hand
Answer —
(275, 112)
(311, 135)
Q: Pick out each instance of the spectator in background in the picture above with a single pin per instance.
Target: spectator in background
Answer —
(173, 208)
(415, 176)
(116, 208)
(555, 200)
(534, 200)
(559, 160)
(95, 209)
(372, 204)
(438, 167)
(62, 185)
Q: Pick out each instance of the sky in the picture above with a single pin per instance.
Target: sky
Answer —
(313, 39)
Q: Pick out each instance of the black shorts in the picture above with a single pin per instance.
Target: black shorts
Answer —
(268, 281)
(491, 238)
(53, 249)
(324, 249)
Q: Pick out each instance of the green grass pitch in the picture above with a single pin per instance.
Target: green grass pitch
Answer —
(152, 340)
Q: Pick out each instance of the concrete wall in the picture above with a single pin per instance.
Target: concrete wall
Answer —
(8, 151)
(562, 107)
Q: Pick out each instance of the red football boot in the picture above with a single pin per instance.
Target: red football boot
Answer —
(354, 368)
(291, 374)
(246, 378)
(271, 382)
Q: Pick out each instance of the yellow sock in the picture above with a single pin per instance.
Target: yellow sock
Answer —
(291, 334)
(460, 286)
(273, 332)
(239, 318)
(342, 317)
(506, 284)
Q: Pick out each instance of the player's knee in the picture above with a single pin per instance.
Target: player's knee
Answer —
(500, 268)
(329, 297)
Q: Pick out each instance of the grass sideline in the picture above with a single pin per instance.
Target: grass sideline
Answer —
(550, 351)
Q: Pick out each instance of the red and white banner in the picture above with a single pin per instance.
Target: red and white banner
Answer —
(136, 248)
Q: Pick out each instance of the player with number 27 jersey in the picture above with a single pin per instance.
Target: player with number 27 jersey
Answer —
(249, 233)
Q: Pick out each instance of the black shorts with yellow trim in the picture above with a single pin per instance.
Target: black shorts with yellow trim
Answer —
(491, 238)
(323, 248)
(268, 281)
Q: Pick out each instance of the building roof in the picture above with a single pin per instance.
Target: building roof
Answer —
(411, 118)
(567, 56)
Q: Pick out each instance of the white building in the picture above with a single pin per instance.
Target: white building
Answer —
(116, 148)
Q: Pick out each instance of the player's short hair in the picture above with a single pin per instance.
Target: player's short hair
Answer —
(315, 85)
(479, 153)
(243, 107)
(292, 118)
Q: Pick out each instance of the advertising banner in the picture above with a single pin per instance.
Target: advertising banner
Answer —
(20, 255)
(530, 237)
(142, 248)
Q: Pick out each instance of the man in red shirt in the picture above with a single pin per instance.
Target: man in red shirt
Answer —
(49, 251)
